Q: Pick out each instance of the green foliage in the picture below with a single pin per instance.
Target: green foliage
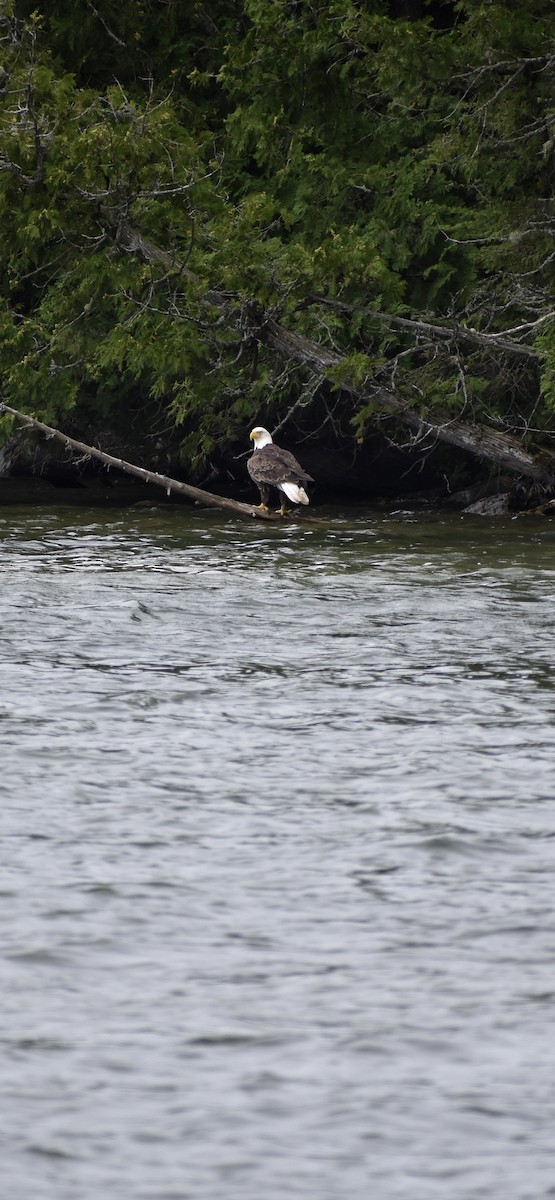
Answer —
(545, 343)
(280, 155)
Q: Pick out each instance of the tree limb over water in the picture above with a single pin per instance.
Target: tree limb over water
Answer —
(199, 495)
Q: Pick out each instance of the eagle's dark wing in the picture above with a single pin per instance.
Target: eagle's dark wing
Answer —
(272, 465)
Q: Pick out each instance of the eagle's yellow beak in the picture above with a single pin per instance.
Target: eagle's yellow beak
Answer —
(251, 435)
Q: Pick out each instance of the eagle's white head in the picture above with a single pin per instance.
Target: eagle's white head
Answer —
(260, 437)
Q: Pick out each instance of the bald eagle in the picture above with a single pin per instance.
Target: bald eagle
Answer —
(270, 466)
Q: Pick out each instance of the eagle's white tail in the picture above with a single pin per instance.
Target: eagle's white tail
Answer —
(294, 493)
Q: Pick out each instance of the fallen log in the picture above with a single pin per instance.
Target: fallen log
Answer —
(210, 499)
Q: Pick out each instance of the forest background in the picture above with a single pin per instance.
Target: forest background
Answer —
(329, 218)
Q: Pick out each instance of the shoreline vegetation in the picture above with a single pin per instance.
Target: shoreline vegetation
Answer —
(334, 220)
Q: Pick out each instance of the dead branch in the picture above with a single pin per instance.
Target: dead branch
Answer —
(111, 35)
(453, 332)
(165, 481)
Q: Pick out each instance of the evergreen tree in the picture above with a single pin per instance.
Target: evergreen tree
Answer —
(376, 178)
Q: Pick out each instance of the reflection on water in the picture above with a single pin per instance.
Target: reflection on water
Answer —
(278, 841)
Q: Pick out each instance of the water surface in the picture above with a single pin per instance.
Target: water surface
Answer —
(278, 842)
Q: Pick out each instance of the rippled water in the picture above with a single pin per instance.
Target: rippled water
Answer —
(278, 844)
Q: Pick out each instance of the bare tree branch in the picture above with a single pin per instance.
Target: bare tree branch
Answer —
(100, 18)
(170, 485)
(455, 332)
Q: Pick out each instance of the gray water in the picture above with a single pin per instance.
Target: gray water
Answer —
(278, 849)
